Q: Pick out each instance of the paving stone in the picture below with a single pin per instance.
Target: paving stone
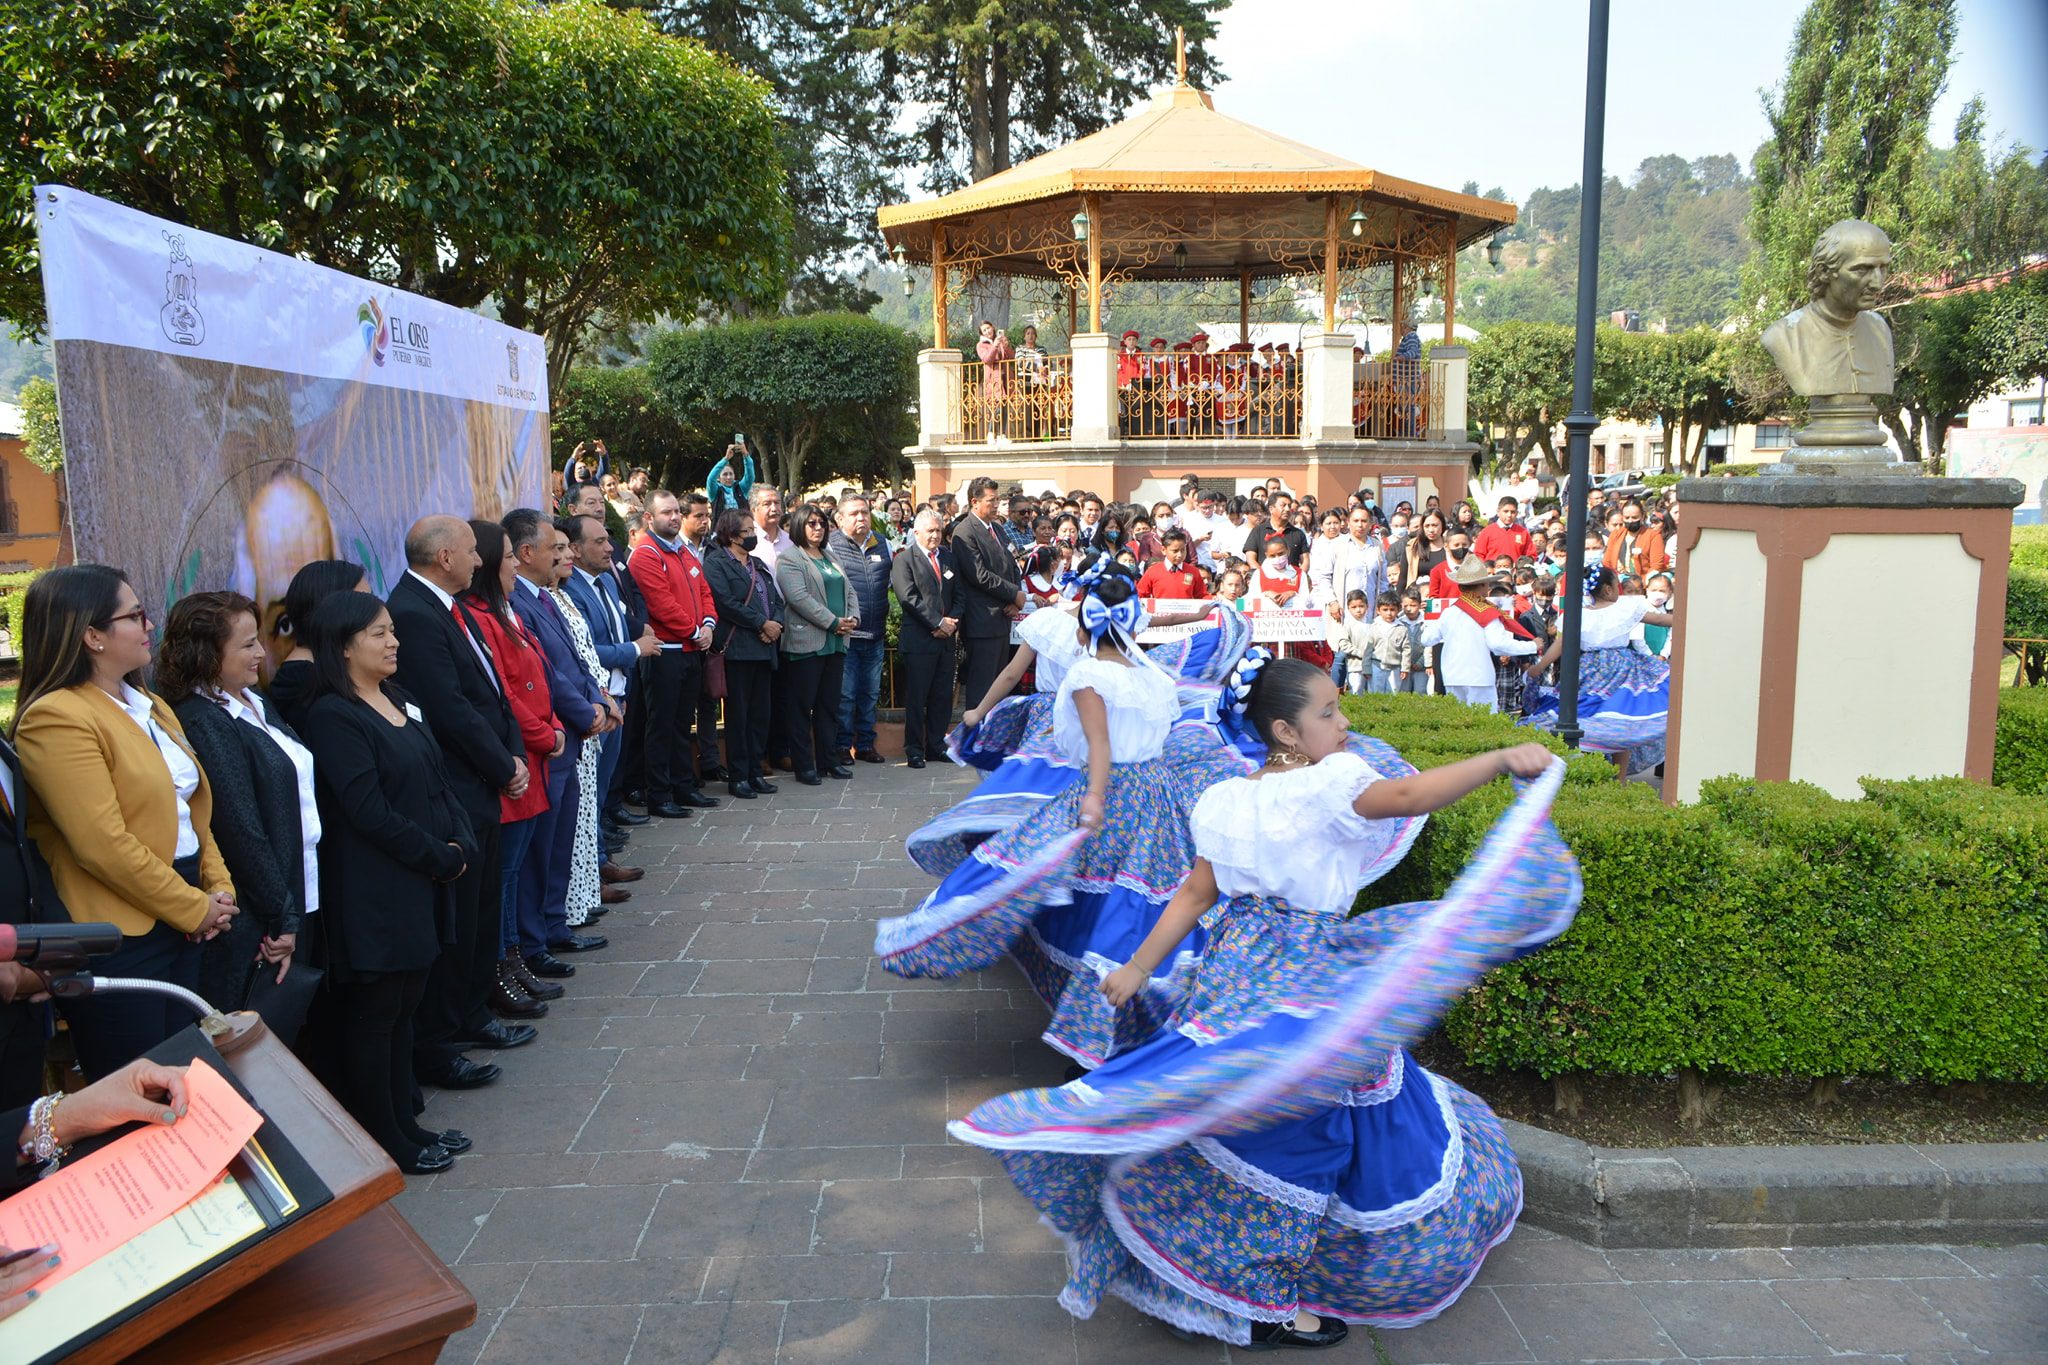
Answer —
(1883, 1316)
(1475, 1328)
(826, 1163)
(682, 1062)
(823, 1061)
(935, 1275)
(1025, 1331)
(836, 1026)
(746, 942)
(614, 1280)
(589, 1336)
(1992, 1315)
(837, 1333)
(788, 1278)
(1737, 1263)
(447, 1220)
(652, 1116)
(766, 1219)
(900, 1215)
(563, 1224)
(1713, 1319)
(1874, 1263)
(1583, 1322)
(854, 1113)
(709, 1334)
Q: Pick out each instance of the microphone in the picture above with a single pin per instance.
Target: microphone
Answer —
(66, 945)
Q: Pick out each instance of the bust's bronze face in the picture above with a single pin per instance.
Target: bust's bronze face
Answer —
(1858, 283)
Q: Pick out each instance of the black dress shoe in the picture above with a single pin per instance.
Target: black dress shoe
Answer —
(498, 1037)
(613, 847)
(842, 772)
(740, 791)
(547, 964)
(916, 762)
(461, 1074)
(636, 798)
(763, 787)
(714, 773)
(697, 799)
(669, 810)
(534, 986)
(1282, 1336)
(810, 779)
(621, 816)
(454, 1142)
(870, 756)
(579, 943)
(429, 1161)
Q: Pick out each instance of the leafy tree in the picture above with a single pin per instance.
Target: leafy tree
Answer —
(1520, 379)
(2012, 329)
(1680, 379)
(564, 159)
(41, 440)
(618, 405)
(21, 361)
(819, 396)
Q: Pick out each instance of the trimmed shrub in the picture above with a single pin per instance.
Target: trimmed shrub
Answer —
(1768, 930)
(2020, 760)
(2030, 548)
(14, 601)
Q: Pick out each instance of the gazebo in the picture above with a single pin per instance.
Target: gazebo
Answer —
(1181, 192)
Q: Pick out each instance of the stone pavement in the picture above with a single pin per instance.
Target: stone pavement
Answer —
(729, 1145)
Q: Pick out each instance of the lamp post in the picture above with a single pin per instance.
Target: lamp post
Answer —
(1579, 425)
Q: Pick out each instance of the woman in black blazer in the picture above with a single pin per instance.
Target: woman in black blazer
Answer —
(395, 835)
(749, 624)
(262, 779)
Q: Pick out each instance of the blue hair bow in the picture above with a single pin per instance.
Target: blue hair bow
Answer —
(1085, 578)
(1237, 688)
(1098, 617)
(1595, 573)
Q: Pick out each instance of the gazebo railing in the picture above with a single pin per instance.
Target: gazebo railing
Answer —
(1398, 400)
(1025, 398)
(1211, 401)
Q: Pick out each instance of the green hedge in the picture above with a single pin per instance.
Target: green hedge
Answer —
(2020, 760)
(2030, 547)
(14, 601)
(1768, 930)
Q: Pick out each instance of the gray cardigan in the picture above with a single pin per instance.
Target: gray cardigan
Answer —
(807, 620)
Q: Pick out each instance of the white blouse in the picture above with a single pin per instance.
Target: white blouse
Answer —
(184, 770)
(1054, 635)
(1293, 834)
(1142, 706)
(1610, 627)
(302, 768)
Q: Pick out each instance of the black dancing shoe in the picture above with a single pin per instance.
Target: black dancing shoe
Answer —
(454, 1141)
(429, 1161)
(1285, 1336)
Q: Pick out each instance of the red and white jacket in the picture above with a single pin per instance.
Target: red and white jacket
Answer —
(671, 582)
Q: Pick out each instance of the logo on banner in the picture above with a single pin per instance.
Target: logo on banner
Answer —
(180, 314)
(512, 360)
(376, 336)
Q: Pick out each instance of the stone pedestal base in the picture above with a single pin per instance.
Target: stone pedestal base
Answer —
(1837, 627)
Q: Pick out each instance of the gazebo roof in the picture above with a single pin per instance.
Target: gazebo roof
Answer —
(1180, 150)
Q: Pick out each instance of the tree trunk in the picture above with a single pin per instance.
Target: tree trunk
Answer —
(1696, 1099)
(1824, 1090)
(1566, 1096)
(998, 110)
(980, 138)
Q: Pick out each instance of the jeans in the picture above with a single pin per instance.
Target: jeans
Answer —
(1340, 668)
(514, 838)
(858, 693)
(1382, 678)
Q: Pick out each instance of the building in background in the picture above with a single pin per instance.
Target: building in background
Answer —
(32, 534)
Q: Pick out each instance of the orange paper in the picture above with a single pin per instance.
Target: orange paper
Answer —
(91, 1206)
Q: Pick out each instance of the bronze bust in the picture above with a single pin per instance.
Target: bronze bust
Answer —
(1834, 345)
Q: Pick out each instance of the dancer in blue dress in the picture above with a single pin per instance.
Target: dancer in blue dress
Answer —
(1624, 692)
(1087, 870)
(1272, 1164)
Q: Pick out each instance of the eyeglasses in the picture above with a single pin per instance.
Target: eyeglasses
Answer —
(138, 616)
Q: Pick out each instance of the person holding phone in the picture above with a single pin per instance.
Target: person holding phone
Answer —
(728, 488)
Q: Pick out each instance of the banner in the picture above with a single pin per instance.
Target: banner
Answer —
(230, 414)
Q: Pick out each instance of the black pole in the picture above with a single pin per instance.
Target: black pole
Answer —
(1579, 426)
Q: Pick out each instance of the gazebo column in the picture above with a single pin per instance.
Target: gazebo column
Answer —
(939, 286)
(938, 396)
(1094, 389)
(1094, 212)
(1244, 305)
(1330, 265)
(1326, 387)
(1451, 291)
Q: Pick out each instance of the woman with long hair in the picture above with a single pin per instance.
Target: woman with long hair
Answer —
(266, 818)
(749, 625)
(313, 584)
(396, 836)
(523, 674)
(118, 804)
(821, 613)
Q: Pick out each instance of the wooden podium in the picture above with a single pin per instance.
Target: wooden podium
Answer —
(350, 1280)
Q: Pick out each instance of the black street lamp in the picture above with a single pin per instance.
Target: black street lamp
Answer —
(1579, 425)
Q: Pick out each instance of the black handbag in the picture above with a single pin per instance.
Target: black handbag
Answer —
(282, 1007)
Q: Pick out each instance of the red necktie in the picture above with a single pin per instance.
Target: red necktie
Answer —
(934, 556)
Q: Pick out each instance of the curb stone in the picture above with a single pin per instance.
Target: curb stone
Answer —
(1715, 1197)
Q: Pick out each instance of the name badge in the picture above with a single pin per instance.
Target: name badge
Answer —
(948, 573)
(414, 712)
(876, 558)
(694, 572)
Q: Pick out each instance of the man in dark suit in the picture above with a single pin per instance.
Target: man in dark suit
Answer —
(995, 590)
(595, 592)
(622, 771)
(27, 896)
(586, 715)
(932, 595)
(450, 676)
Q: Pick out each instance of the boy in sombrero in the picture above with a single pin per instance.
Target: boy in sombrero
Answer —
(1472, 630)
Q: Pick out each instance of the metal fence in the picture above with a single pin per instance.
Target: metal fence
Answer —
(1208, 398)
(1397, 400)
(1026, 398)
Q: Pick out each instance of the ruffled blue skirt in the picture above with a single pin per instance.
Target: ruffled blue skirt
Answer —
(1273, 1148)
(1624, 705)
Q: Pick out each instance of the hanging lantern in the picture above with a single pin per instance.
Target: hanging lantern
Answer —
(1180, 255)
(1494, 251)
(1081, 226)
(909, 285)
(1357, 220)
(901, 256)
(1428, 286)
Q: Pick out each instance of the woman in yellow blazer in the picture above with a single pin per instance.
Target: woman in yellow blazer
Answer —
(117, 803)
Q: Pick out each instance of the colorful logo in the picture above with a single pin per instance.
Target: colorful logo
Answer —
(376, 334)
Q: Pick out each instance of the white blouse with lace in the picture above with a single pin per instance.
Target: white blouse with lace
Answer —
(1054, 636)
(1293, 834)
(1610, 627)
(1141, 702)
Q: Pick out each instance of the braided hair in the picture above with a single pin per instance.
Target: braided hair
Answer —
(1279, 691)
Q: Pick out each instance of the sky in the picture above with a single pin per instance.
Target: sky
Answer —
(1493, 90)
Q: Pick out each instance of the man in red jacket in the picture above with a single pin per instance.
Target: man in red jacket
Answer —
(682, 616)
(1505, 534)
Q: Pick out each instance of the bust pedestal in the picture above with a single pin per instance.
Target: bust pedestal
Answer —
(1836, 627)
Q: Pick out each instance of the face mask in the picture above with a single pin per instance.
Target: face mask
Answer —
(1633, 525)
(1459, 554)
(1658, 599)
(1113, 537)
(749, 541)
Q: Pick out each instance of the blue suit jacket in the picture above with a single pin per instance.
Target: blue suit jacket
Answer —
(573, 692)
(612, 652)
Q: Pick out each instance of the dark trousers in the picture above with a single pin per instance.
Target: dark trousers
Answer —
(987, 656)
(676, 680)
(746, 717)
(376, 1042)
(112, 1030)
(813, 714)
(707, 727)
(454, 1000)
(926, 681)
(778, 713)
(630, 774)
(542, 922)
